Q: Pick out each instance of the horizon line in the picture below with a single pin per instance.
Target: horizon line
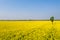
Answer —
(30, 20)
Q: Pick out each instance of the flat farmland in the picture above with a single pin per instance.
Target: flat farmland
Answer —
(29, 30)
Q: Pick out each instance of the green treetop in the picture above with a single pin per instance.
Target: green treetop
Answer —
(52, 19)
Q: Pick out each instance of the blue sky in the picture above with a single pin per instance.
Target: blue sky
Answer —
(29, 9)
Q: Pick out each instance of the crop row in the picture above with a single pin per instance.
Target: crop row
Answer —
(33, 34)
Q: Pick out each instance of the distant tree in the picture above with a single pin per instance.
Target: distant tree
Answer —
(52, 19)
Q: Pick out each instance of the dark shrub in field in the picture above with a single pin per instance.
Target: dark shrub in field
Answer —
(52, 19)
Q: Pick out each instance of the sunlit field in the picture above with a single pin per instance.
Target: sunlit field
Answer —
(29, 30)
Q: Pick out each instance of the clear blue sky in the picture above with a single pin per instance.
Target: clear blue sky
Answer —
(29, 9)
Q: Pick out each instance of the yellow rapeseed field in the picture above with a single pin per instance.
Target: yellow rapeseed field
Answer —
(29, 30)
(26, 25)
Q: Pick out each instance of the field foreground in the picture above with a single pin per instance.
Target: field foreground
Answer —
(29, 30)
